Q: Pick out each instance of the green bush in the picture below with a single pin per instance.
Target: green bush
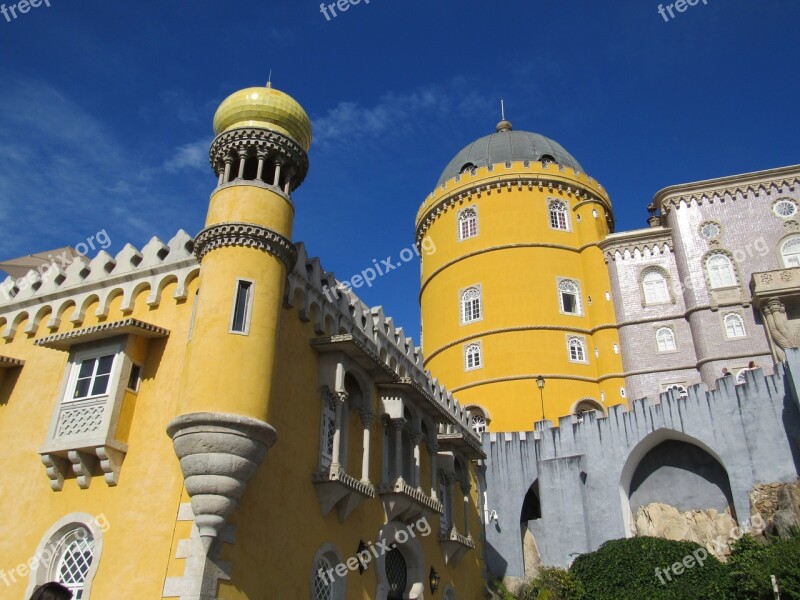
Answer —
(629, 569)
(752, 563)
(553, 584)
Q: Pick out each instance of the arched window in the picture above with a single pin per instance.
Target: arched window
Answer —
(569, 296)
(559, 216)
(790, 252)
(396, 574)
(734, 326)
(720, 271)
(656, 290)
(326, 584)
(471, 309)
(577, 349)
(472, 357)
(467, 224)
(665, 338)
(478, 423)
(586, 406)
(73, 559)
(323, 586)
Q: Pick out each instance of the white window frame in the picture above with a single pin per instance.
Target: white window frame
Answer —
(782, 201)
(478, 348)
(579, 342)
(462, 304)
(718, 278)
(655, 294)
(563, 285)
(730, 317)
(49, 550)
(557, 208)
(791, 260)
(248, 309)
(76, 362)
(467, 218)
(670, 342)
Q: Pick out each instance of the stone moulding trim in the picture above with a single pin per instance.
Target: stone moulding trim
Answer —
(248, 236)
(6, 362)
(342, 490)
(534, 376)
(474, 336)
(219, 454)
(575, 249)
(727, 188)
(402, 501)
(64, 341)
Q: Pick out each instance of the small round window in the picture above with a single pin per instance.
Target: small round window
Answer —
(709, 231)
(785, 208)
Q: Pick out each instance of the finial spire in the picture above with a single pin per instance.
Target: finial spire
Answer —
(269, 81)
(503, 125)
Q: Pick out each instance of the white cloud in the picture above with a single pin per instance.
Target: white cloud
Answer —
(193, 155)
(396, 113)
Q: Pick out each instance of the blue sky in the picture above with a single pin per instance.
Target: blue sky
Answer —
(106, 108)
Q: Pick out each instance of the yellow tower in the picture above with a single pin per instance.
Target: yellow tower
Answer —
(517, 292)
(245, 250)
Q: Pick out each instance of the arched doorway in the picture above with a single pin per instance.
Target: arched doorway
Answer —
(531, 511)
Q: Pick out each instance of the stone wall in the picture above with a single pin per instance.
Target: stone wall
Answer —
(585, 469)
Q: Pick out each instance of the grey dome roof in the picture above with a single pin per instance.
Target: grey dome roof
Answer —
(506, 146)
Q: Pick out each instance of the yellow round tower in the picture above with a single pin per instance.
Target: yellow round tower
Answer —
(516, 300)
(245, 251)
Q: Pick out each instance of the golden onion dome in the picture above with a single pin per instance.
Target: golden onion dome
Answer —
(267, 108)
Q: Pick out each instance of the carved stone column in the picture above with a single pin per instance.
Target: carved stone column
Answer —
(774, 313)
(367, 418)
(433, 451)
(416, 440)
(339, 399)
(465, 489)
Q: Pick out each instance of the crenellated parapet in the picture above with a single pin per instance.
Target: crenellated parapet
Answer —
(588, 474)
(54, 288)
(504, 177)
(340, 316)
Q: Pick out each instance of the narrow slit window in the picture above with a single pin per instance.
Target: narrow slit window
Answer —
(242, 305)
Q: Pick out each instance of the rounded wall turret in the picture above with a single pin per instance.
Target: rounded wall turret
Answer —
(245, 252)
(517, 286)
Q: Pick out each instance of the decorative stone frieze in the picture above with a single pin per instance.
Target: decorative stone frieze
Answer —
(245, 235)
(407, 503)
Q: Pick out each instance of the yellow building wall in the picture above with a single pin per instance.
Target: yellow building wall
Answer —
(281, 513)
(140, 511)
(517, 260)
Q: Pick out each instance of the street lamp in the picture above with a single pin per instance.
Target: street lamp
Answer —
(540, 384)
(434, 580)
